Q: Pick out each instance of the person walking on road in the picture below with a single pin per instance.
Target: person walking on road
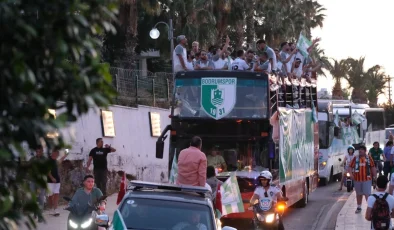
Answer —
(362, 171)
(54, 181)
(100, 168)
(192, 165)
(380, 206)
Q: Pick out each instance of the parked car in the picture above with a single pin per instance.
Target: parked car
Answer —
(163, 206)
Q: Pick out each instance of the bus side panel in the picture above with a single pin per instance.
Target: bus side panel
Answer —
(297, 150)
(314, 178)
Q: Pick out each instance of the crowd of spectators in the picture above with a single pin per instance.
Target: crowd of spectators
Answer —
(285, 65)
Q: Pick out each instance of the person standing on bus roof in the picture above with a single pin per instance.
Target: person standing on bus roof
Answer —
(180, 54)
(192, 165)
(239, 63)
(376, 153)
(362, 171)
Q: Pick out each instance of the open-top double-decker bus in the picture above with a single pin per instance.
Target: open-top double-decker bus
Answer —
(231, 111)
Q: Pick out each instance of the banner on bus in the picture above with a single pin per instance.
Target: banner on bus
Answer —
(296, 143)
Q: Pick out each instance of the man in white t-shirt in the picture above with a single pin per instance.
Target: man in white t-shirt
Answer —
(381, 185)
(179, 56)
(239, 63)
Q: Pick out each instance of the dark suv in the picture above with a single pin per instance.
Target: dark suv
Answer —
(164, 206)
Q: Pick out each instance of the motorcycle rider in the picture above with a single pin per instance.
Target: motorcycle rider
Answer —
(348, 158)
(85, 197)
(266, 189)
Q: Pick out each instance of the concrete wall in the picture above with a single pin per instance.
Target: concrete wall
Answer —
(135, 147)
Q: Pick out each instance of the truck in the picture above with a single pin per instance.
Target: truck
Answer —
(254, 128)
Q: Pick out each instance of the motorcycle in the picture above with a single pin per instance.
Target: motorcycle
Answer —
(268, 214)
(349, 183)
(86, 220)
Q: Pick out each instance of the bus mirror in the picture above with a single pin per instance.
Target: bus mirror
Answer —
(159, 149)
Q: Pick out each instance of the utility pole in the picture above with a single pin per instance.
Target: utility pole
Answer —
(389, 86)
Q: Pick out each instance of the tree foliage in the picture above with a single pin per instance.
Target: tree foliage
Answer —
(366, 85)
(50, 52)
(209, 21)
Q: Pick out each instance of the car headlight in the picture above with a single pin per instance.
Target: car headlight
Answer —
(87, 223)
(73, 224)
(270, 218)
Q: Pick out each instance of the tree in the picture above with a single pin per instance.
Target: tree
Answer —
(50, 53)
(338, 71)
(356, 77)
(375, 84)
(209, 21)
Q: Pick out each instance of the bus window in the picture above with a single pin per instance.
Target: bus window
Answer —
(375, 120)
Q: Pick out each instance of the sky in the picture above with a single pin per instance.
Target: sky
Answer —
(355, 28)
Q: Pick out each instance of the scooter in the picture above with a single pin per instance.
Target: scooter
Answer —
(268, 214)
(349, 183)
(83, 220)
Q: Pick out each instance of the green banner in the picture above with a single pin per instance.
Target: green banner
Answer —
(296, 143)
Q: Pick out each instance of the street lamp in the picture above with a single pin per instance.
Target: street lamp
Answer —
(155, 33)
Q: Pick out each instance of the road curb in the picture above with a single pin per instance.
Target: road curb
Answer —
(341, 218)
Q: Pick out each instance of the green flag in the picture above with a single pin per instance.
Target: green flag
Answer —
(303, 44)
(117, 221)
(357, 118)
(350, 135)
(174, 170)
(231, 196)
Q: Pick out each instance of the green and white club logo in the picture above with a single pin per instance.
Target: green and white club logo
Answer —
(218, 96)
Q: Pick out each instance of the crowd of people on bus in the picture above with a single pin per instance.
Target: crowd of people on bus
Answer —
(284, 64)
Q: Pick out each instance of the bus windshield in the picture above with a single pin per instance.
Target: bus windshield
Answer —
(375, 120)
(231, 98)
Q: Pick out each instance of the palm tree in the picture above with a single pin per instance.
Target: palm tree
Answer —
(338, 72)
(357, 78)
(375, 84)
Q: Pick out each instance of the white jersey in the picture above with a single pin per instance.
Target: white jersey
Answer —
(349, 158)
(271, 192)
(239, 64)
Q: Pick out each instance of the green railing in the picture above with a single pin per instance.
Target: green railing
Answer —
(136, 87)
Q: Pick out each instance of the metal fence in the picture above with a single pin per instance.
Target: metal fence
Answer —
(136, 87)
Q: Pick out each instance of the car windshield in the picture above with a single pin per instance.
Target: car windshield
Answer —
(243, 98)
(245, 184)
(150, 214)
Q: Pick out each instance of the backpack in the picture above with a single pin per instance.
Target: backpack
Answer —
(381, 213)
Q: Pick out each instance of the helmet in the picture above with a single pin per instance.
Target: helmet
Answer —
(350, 147)
(265, 175)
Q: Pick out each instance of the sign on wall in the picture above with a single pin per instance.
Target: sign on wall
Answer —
(154, 122)
(107, 121)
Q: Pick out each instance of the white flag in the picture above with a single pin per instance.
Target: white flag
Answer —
(336, 119)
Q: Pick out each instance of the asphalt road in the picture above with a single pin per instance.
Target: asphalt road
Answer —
(321, 211)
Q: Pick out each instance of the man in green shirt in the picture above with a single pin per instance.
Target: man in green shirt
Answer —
(217, 161)
(376, 152)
